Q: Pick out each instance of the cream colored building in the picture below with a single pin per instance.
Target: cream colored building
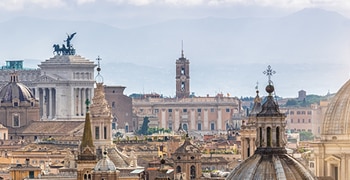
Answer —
(194, 114)
(305, 118)
(61, 84)
(204, 114)
(66, 81)
(332, 152)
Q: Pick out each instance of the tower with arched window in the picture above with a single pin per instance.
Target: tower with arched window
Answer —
(270, 159)
(101, 115)
(182, 77)
(187, 161)
(248, 129)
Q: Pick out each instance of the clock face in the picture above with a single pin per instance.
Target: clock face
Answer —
(183, 78)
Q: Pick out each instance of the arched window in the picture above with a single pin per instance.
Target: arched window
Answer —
(178, 169)
(268, 136)
(15, 120)
(278, 136)
(193, 172)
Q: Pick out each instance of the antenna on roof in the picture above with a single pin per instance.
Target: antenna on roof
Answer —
(182, 48)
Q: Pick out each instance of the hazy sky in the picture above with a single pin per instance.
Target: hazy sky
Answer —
(135, 13)
(130, 13)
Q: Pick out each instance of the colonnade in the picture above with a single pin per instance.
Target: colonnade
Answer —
(80, 96)
(72, 105)
(47, 100)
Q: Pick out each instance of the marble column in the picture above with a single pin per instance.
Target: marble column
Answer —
(50, 102)
(78, 102)
(83, 99)
(44, 104)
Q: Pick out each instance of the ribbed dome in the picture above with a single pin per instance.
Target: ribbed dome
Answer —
(105, 164)
(336, 123)
(270, 166)
(15, 90)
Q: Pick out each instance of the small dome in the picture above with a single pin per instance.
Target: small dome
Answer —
(15, 90)
(336, 121)
(272, 166)
(105, 164)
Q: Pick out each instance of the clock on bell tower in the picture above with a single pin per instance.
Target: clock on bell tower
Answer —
(182, 77)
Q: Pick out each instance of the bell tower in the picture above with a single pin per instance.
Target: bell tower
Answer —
(270, 123)
(182, 77)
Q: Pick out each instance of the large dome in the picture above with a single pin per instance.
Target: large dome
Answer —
(336, 123)
(15, 90)
(270, 166)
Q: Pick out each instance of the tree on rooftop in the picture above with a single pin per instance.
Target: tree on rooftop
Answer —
(144, 127)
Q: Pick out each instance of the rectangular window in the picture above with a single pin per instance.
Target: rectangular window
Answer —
(212, 126)
(298, 120)
(298, 112)
(212, 110)
(170, 110)
(199, 126)
(199, 110)
(170, 126)
(291, 121)
(302, 112)
(105, 132)
(184, 110)
(309, 112)
(291, 112)
(156, 111)
(227, 110)
(97, 132)
(309, 120)
(31, 174)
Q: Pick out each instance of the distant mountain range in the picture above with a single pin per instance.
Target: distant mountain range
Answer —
(308, 49)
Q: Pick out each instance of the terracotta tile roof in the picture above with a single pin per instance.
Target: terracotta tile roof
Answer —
(52, 127)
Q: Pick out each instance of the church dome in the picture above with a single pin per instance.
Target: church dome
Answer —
(15, 90)
(270, 159)
(270, 166)
(336, 123)
(105, 164)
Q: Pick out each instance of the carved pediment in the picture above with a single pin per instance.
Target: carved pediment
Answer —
(332, 158)
(45, 78)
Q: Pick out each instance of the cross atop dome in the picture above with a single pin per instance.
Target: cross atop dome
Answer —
(269, 72)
